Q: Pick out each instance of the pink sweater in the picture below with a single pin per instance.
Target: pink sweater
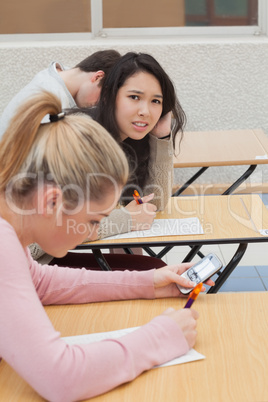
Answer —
(30, 344)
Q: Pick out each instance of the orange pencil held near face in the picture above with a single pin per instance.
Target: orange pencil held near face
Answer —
(137, 197)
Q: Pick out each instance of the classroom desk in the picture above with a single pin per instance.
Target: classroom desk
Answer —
(221, 148)
(232, 334)
(225, 220)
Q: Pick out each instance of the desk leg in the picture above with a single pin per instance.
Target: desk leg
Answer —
(223, 276)
(128, 250)
(161, 253)
(101, 260)
(190, 181)
(241, 179)
(192, 253)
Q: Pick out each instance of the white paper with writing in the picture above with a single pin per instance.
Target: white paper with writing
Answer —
(166, 227)
(192, 355)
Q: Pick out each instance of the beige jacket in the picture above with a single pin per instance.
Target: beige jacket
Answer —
(160, 183)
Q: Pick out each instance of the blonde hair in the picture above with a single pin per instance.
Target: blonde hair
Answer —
(72, 153)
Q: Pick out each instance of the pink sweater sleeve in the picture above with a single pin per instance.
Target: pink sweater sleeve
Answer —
(30, 344)
(58, 285)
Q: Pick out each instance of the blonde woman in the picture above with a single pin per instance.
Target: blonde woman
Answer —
(60, 178)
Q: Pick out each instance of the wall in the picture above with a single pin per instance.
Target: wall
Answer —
(221, 83)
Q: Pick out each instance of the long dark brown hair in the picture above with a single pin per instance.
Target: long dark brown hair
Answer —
(137, 151)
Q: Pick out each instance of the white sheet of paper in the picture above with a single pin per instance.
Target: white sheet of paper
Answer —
(166, 227)
(192, 355)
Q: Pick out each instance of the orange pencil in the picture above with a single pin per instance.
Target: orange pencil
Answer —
(193, 295)
(137, 197)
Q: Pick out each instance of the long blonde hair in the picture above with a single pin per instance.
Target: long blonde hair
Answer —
(69, 153)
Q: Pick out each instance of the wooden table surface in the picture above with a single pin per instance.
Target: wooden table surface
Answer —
(225, 219)
(222, 148)
(232, 334)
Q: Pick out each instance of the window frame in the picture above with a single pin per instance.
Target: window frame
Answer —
(97, 30)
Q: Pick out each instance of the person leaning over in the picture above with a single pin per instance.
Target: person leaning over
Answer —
(77, 86)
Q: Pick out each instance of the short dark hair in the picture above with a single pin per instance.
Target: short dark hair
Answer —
(101, 60)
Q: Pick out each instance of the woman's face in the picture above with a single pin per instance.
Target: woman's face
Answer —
(138, 107)
(64, 231)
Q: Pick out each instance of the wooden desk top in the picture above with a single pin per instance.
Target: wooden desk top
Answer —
(232, 334)
(222, 148)
(225, 219)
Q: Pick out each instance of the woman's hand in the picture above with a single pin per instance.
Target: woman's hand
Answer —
(142, 215)
(186, 319)
(165, 280)
(163, 126)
